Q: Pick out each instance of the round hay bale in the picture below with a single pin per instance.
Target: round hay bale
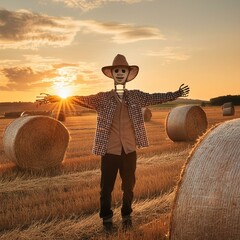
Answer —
(12, 114)
(147, 114)
(35, 113)
(207, 203)
(227, 105)
(35, 142)
(229, 111)
(60, 115)
(186, 123)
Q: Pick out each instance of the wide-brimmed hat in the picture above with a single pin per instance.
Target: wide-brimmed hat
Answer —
(120, 61)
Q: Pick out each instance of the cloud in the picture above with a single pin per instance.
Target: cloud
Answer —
(122, 33)
(25, 29)
(91, 4)
(24, 78)
(38, 73)
(169, 54)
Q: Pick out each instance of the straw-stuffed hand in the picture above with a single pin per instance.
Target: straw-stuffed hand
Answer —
(184, 90)
(47, 98)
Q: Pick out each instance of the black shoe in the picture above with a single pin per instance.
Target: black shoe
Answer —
(108, 224)
(126, 222)
(108, 227)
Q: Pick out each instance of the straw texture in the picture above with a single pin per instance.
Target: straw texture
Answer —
(186, 123)
(147, 114)
(207, 202)
(35, 142)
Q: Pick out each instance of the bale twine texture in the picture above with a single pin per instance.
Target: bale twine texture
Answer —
(186, 123)
(207, 202)
(147, 114)
(35, 142)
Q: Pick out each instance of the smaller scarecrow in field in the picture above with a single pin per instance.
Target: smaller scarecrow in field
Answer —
(120, 131)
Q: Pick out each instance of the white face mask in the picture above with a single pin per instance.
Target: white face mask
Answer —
(120, 75)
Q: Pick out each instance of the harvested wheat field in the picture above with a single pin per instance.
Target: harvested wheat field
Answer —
(63, 202)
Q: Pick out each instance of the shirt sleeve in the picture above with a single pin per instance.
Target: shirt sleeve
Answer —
(148, 99)
(90, 101)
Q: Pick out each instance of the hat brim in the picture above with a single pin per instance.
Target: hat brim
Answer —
(133, 71)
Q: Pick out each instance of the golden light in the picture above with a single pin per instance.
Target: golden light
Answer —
(63, 83)
(64, 93)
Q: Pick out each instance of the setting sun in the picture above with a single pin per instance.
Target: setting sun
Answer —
(64, 92)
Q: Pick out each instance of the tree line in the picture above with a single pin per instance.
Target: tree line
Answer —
(218, 101)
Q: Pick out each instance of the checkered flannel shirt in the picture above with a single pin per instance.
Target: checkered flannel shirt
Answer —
(105, 104)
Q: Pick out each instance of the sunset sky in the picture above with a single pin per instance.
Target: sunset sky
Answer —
(60, 46)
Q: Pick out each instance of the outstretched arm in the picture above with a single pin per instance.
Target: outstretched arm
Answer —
(147, 99)
(45, 98)
(184, 90)
(85, 101)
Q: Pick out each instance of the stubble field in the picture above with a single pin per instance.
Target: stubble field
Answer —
(63, 203)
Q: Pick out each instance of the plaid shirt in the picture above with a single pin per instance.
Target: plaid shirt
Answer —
(105, 105)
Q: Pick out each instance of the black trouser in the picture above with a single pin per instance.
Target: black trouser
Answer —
(110, 164)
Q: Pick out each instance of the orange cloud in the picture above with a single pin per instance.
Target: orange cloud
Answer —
(122, 33)
(39, 73)
(25, 29)
(23, 78)
(170, 54)
(91, 4)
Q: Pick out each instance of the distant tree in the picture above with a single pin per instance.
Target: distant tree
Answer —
(218, 101)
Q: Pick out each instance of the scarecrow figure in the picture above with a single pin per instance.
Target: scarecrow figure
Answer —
(120, 130)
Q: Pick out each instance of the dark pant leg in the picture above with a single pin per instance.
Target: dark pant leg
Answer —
(127, 173)
(109, 169)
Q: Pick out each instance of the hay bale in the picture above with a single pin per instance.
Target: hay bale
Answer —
(227, 105)
(35, 142)
(207, 202)
(228, 109)
(35, 113)
(12, 114)
(186, 123)
(61, 116)
(147, 114)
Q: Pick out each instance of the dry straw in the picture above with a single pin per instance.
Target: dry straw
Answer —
(35, 142)
(147, 114)
(228, 109)
(207, 202)
(186, 123)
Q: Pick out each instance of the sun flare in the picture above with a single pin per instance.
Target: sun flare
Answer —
(63, 93)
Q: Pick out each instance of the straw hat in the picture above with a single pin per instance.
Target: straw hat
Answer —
(120, 61)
